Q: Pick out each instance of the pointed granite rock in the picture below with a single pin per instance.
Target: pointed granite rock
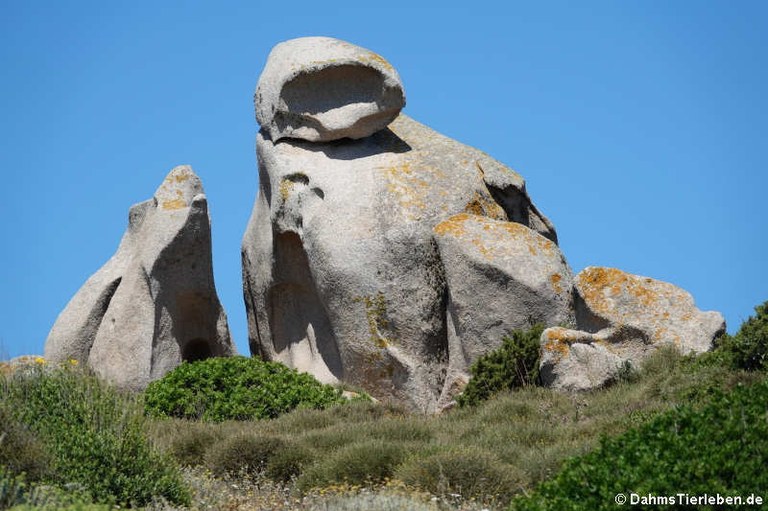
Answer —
(154, 303)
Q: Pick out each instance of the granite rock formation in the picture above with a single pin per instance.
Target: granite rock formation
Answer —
(344, 276)
(383, 254)
(154, 303)
(621, 318)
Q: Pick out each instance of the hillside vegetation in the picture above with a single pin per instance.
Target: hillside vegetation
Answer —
(675, 424)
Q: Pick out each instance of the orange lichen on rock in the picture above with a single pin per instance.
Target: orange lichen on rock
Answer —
(453, 226)
(482, 205)
(598, 285)
(178, 177)
(408, 184)
(557, 342)
(535, 243)
(555, 279)
(174, 204)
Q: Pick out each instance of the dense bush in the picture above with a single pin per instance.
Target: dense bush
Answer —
(18, 494)
(514, 364)
(289, 462)
(190, 443)
(20, 450)
(235, 388)
(242, 453)
(721, 447)
(364, 462)
(94, 436)
(468, 472)
(748, 348)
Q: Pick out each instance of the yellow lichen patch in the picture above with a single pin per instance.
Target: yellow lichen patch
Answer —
(467, 227)
(454, 226)
(407, 185)
(286, 185)
(371, 57)
(535, 242)
(597, 284)
(178, 177)
(559, 348)
(555, 279)
(482, 205)
(375, 314)
(174, 204)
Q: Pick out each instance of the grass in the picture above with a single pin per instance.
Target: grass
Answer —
(359, 455)
(512, 442)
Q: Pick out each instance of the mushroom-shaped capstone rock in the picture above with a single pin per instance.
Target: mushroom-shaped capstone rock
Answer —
(321, 89)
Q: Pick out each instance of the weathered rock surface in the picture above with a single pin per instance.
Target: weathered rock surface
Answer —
(500, 276)
(383, 254)
(622, 318)
(343, 277)
(321, 89)
(154, 303)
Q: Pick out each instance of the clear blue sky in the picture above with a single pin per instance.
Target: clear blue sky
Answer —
(640, 126)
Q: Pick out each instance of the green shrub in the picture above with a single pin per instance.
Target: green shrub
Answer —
(469, 472)
(514, 364)
(289, 462)
(358, 463)
(12, 488)
(748, 348)
(235, 388)
(20, 450)
(188, 447)
(400, 429)
(242, 454)
(94, 435)
(721, 447)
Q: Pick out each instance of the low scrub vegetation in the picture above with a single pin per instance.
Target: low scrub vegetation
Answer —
(69, 430)
(472, 456)
(677, 423)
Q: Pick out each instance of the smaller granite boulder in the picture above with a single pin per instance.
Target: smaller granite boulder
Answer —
(501, 276)
(621, 319)
(154, 303)
(321, 89)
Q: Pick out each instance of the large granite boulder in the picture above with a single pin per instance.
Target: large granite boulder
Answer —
(383, 254)
(154, 303)
(343, 276)
(321, 89)
(621, 319)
